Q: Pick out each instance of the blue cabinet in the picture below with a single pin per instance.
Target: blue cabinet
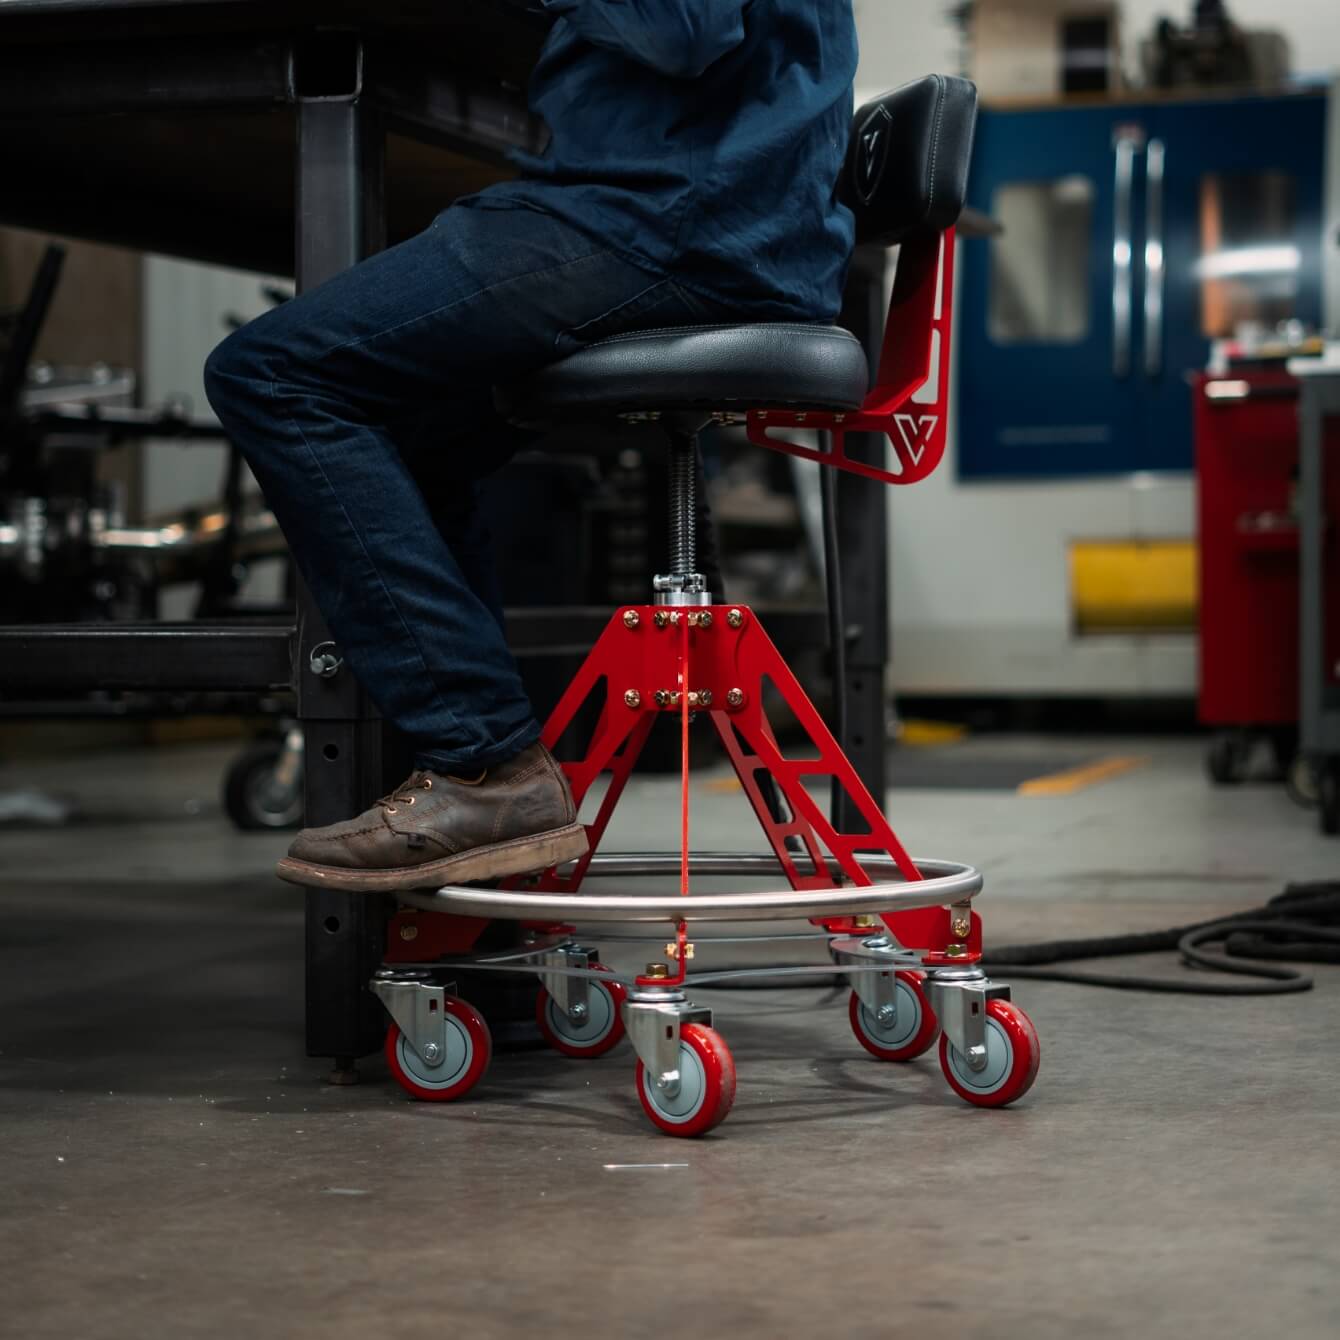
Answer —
(1133, 235)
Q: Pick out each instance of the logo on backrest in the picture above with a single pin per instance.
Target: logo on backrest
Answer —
(916, 430)
(874, 150)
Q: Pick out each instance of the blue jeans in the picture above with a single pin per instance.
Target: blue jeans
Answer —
(365, 410)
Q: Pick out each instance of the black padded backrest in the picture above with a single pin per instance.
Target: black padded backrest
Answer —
(906, 170)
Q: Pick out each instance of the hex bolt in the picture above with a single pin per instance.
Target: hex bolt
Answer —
(409, 932)
(632, 698)
(734, 697)
(705, 619)
(735, 618)
(631, 619)
(961, 926)
(956, 951)
(886, 1015)
(578, 1011)
(660, 618)
(664, 698)
(658, 971)
(431, 1051)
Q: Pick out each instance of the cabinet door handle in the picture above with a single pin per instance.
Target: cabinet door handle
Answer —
(1127, 141)
(1155, 261)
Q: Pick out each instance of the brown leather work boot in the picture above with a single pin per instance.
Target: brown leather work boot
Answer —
(513, 819)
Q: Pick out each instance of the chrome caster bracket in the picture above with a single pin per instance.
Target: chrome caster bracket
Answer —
(958, 997)
(418, 1005)
(652, 1018)
(568, 990)
(877, 990)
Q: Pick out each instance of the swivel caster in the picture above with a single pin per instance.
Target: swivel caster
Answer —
(437, 1046)
(445, 1075)
(1012, 1055)
(598, 1025)
(705, 1090)
(912, 1030)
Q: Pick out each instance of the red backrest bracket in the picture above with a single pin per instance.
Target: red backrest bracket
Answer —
(915, 350)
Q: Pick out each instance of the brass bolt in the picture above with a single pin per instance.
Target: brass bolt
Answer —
(956, 951)
(734, 697)
(700, 619)
(700, 697)
(631, 619)
(864, 922)
(735, 618)
(409, 932)
(961, 926)
(672, 950)
(632, 698)
(657, 970)
(664, 698)
(660, 618)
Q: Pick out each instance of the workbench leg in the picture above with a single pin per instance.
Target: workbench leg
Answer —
(340, 220)
(863, 532)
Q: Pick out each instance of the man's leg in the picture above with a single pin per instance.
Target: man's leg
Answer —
(317, 394)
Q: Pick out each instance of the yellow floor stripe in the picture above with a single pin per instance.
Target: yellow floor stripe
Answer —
(1076, 779)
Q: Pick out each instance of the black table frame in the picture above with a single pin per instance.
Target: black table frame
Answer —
(340, 146)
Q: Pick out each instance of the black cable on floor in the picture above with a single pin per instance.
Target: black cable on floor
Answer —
(1302, 924)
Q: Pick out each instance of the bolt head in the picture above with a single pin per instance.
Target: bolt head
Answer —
(632, 698)
(578, 1011)
(431, 1051)
(705, 619)
(409, 932)
(631, 618)
(886, 1015)
(735, 618)
(657, 970)
(961, 927)
(660, 618)
(734, 697)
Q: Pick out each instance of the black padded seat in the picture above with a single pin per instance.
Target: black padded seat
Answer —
(768, 365)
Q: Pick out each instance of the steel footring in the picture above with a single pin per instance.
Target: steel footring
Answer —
(571, 994)
(958, 997)
(418, 1004)
(652, 1020)
(877, 991)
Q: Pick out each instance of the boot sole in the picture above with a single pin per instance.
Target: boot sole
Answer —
(519, 856)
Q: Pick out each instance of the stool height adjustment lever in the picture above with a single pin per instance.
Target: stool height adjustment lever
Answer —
(683, 585)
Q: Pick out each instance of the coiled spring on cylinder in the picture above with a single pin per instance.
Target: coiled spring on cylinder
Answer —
(683, 507)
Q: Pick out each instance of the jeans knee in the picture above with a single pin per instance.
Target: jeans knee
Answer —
(232, 373)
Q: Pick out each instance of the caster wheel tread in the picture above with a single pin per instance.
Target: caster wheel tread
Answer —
(708, 1078)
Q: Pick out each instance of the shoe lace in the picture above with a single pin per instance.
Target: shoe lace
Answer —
(417, 781)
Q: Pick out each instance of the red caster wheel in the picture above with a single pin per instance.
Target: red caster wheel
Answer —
(915, 1027)
(469, 1048)
(1012, 1055)
(706, 1085)
(598, 1033)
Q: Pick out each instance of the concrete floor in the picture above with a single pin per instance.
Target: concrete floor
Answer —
(171, 1163)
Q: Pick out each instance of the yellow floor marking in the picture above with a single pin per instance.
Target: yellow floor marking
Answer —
(1076, 779)
(723, 786)
(929, 734)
